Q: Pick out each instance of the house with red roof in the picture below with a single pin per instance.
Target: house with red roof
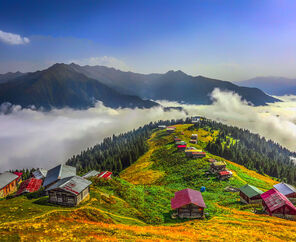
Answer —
(188, 203)
(224, 175)
(276, 204)
(181, 147)
(288, 190)
(30, 185)
(105, 174)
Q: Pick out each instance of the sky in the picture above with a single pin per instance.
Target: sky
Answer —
(229, 40)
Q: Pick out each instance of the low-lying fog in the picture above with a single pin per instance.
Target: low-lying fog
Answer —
(30, 138)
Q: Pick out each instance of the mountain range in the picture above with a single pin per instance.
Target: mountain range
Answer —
(272, 85)
(80, 87)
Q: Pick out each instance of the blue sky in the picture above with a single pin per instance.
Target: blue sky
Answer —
(230, 40)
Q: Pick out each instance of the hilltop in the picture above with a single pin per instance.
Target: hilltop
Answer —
(136, 204)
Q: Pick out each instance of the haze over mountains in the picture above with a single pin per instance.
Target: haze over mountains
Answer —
(79, 87)
(272, 85)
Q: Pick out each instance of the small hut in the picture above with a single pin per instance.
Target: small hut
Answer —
(8, 184)
(211, 160)
(250, 194)
(180, 143)
(218, 166)
(181, 147)
(195, 119)
(224, 175)
(276, 204)
(161, 126)
(288, 190)
(69, 191)
(177, 139)
(188, 203)
(193, 141)
(197, 154)
(171, 129)
(194, 136)
(30, 185)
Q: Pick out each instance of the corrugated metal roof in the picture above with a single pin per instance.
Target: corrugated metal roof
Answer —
(219, 163)
(30, 185)
(274, 200)
(187, 196)
(6, 178)
(74, 184)
(105, 174)
(40, 173)
(285, 188)
(250, 190)
(59, 172)
(91, 174)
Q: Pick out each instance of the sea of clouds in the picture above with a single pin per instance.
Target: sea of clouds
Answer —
(32, 138)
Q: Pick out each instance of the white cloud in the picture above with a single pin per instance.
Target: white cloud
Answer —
(13, 39)
(30, 138)
(103, 61)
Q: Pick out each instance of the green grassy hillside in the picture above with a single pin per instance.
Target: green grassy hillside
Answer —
(136, 205)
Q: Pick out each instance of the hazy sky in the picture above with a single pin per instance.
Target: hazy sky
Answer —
(231, 40)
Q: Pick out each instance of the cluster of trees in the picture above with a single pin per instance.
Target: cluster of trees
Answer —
(117, 152)
(251, 151)
(27, 173)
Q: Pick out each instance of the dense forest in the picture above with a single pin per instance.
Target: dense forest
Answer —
(119, 151)
(250, 150)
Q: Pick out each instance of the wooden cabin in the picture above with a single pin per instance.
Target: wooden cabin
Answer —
(69, 191)
(180, 143)
(288, 190)
(8, 184)
(161, 126)
(250, 194)
(276, 204)
(57, 173)
(181, 147)
(211, 160)
(171, 129)
(195, 119)
(197, 155)
(218, 166)
(176, 139)
(194, 136)
(193, 141)
(30, 185)
(224, 175)
(188, 203)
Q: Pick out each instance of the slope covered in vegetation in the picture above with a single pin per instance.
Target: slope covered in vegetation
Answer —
(136, 204)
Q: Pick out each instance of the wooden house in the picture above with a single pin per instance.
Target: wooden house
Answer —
(211, 160)
(195, 119)
(57, 173)
(171, 129)
(30, 185)
(194, 136)
(193, 141)
(288, 190)
(197, 154)
(8, 184)
(250, 194)
(105, 174)
(224, 175)
(90, 174)
(69, 191)
(180, 143)
(181, 147)
(218, 166)
(177, 139)
(276, 204)
(40, 173)
(188, 203)
(161, 126)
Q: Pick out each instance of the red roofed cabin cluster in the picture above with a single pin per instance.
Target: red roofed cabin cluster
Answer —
(188, 203)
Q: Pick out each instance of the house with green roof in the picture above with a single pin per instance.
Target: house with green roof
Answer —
(250, 194)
